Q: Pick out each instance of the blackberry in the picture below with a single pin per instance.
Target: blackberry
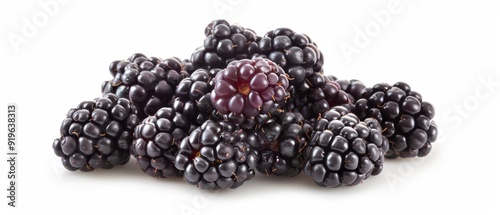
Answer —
(148, 82)
(296, 53)
(225, 43)
(156, 141)
(406, 119)
(344, 150)
(97, 134)
(193, 95)
(216, 155)
(282, 140)
(249, 88)
(320, 94)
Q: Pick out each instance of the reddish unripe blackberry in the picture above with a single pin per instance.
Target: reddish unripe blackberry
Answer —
(249, 88)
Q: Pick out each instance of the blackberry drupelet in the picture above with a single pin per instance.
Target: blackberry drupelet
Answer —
(148, 82)
(344, 150)
(249, 88)
(97, 134)
(406, 119)
(296, 53)
(354, 89)
(225, 43)
(216, 155)
(187, 66)
(156, 141)
(280, 142)
(320, 94)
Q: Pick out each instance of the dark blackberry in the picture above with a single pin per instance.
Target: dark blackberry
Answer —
(223, 44)
(97, 134)
(249, 88)
(344, 150)
(156, 141)
(296, 53)
(319, 94)
(193, 95)
(281, 141)
(405, 118)
(148, 82)
(216, 155)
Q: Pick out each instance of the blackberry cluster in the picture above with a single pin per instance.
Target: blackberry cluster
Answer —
(281, 141)
(97, 134)
(344, 150)
(149, 83)
(244, 104)
(216, 155)
(224, 43)
(156, 141)
(406, 119)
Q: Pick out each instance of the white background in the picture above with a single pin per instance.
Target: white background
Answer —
(442, 49)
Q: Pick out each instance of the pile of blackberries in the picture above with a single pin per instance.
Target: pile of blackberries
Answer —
(244, 104)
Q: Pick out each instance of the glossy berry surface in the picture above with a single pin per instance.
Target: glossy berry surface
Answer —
(319, 94)
(296, 53)
(406, 119)
(249, 88)
(192, 95)
(281, 141)
(225, 43)
(216, 155)
(97, 134)
(149, 83)
(156, 141)
(344, 150)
